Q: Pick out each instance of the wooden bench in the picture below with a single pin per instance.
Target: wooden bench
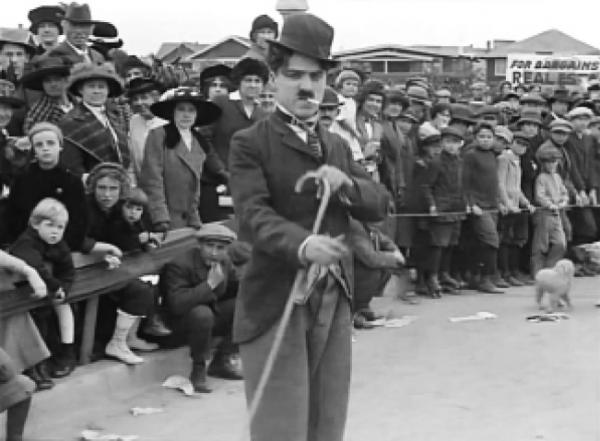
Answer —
(94, 279)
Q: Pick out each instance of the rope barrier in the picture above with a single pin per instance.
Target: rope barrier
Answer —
(494, 210)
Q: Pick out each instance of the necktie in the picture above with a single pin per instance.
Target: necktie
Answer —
(312, 138)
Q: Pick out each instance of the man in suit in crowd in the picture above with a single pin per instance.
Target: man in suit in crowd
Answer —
(306, 397)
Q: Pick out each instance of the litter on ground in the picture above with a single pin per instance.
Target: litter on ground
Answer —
(481, 315)
(548, 317)
(92, 435)
(136, 411)
(181, 383)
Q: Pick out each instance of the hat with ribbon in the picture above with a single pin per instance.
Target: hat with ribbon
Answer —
(42, 67)
(7, 91)
(308, 35)
(206, 112)
(45, 14)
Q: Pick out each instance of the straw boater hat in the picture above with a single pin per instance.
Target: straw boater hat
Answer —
(82, 72)
(308, 35)
(42, 67)
(207, 112)
(7, 90)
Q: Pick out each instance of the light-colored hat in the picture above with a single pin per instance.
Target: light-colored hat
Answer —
(346, 74)
(578, 112)
(561, 125)
(216, 231)
(504, 133)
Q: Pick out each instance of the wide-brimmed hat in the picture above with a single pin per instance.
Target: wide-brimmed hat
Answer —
(308, 35)
(533, 116)
(217, 70)
(142, 85)
(42, 67)
(19, 37)
(45, 14)
(81, 72)
(249, 66)
(7, 90)
(207, 112)
(79, 14)
(215, 231)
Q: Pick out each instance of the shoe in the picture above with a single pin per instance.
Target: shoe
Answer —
(523, 278)
(500, 282)
(360, 322)
(121, 351)
(421, 288)
(447, 280)
(512, 280)
(64, 363)
(198, 378)
(156, 327)
(433, 287)
(370, 315)
(137, 344)
(473, 282)
(222, 366)
(39, 375)
(449, 290)
(487, 286)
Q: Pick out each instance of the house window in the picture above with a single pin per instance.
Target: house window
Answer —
(416, 66)
(378, 66)
(398, 66)
(500, 67)
(450, 65)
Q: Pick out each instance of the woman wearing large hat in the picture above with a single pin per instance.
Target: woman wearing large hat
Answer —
(49, 75)
(175, 156)
(93, 131)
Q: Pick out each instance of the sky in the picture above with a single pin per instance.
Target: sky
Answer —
(144, 25)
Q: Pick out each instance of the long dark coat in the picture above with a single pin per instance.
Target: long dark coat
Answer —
(265, 162)
(87, 142)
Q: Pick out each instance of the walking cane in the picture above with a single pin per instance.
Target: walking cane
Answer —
(295, 295)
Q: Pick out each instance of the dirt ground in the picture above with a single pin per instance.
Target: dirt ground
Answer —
(496, 380)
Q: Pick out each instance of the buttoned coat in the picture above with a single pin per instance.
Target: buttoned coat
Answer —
(265, 162)
(87, 142)
(171, 178)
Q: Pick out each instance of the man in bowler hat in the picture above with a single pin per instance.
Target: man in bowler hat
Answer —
(306, 397)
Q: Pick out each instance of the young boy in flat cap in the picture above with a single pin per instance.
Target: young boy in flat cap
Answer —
(265, 161)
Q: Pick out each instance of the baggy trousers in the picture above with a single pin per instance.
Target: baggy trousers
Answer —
(306, 398)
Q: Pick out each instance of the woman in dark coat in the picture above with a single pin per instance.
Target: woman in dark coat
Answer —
(107, 185)
(175, 156)
(45, 178)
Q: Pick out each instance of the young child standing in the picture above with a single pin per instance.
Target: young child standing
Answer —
(512, 237)
(480, 182)
(551, 225)
(40, 246)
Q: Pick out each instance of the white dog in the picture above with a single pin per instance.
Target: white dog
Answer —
(556, 282)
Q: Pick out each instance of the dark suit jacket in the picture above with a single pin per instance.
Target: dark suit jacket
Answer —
(65, 50)
(88, 142)
(265, 162)
(183, 283)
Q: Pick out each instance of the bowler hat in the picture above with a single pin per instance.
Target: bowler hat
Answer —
(142, 85)
(216, 231)
(262, 22)
(82, 72)
(330, 98)
(45, 14)
(79, 14)
(308, 35)
(207, 112)
(42, 67)
(218, 70)
(17, 36)
(249, 66)
(7, 90)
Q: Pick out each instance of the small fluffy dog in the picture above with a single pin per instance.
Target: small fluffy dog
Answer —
(556, 282)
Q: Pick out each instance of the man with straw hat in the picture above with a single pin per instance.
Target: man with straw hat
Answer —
(306, 395)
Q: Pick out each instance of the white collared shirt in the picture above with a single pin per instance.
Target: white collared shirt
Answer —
(297, 130)
(186, 137)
